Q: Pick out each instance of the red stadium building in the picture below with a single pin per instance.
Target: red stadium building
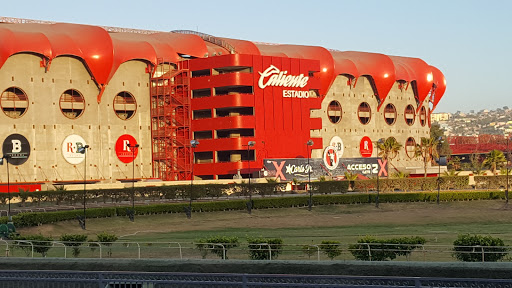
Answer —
(68, 86)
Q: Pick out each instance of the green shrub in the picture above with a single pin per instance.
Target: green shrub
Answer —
(264, 248)
(74, 241)
(328, 187)
(39, 218)
(412, 184)
(40, 243)
(310, 250)
(478, 248)
(106, 239)
(224, 243)
(331, 248)
(372, 249)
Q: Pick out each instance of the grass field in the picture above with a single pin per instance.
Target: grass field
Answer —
(439, 224)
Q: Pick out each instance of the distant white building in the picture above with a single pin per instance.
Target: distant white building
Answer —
(439, 117)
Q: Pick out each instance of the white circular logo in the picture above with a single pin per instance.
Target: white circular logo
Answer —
(330, 158)
(337, 143)
(70, 148)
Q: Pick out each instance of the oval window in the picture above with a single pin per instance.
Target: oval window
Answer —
(390, 114)
(409, 115)
(334, 111)
(423, 116)
(364, 112)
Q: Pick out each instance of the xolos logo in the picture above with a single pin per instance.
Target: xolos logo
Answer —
(279, 78)
(330, 158)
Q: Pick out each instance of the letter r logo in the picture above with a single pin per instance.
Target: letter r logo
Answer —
(125, 145)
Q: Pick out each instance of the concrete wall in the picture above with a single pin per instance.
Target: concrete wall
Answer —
(350, 129)
(45, 126)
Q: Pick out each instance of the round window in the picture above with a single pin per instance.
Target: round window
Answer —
(72, 104)
(364, 112)
(334, 111)
(14, 102)
(125, 105)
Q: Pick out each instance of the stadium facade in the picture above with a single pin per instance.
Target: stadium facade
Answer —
(77, 99)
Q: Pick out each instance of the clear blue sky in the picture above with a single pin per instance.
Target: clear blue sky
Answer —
(469, 41)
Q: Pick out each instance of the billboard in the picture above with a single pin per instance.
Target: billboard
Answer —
(298, 168)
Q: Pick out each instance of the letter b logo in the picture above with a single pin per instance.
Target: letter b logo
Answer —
(16, 146)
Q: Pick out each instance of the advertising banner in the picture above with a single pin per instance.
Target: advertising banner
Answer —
(298, 168)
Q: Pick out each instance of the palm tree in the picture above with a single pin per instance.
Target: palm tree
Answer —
(477, 165)
(427, 151)
(399, 174)
(389, 149)
(451, 172)
(496, 159)
(454, 163)
(351, 177)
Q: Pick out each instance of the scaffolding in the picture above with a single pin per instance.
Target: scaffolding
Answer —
(170, 121)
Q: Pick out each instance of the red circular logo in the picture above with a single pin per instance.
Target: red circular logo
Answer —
(366, 147)
(124, 151)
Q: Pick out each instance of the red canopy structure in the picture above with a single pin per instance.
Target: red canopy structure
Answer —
(103, 50)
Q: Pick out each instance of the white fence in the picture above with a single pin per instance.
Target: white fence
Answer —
(310, 252)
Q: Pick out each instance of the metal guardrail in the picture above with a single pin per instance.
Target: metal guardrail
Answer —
(61, 279)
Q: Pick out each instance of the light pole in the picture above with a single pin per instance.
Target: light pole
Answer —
(379, 142)
(188, 211)
(83, 150)
(439, 162)
(249, 204)
(310, 204)
(438, 180)
(506, 167)
(4, 157)
(439, 174)
(131, 214)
